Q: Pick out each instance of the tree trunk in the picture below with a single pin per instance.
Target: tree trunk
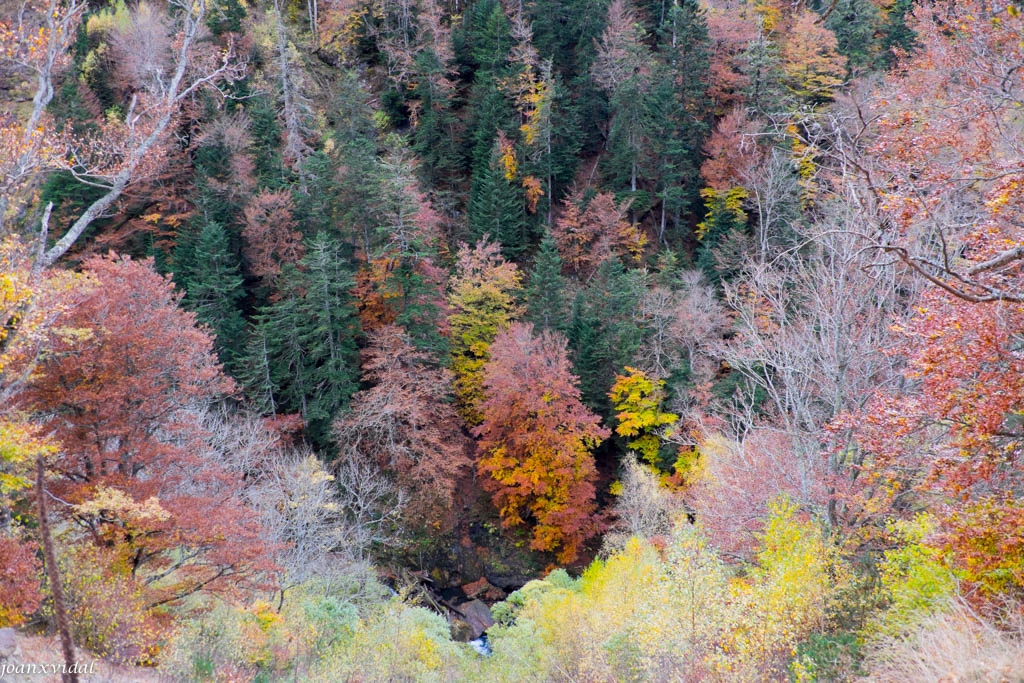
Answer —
(67, 646)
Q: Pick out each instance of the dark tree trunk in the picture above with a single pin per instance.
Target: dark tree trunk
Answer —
(67, 646)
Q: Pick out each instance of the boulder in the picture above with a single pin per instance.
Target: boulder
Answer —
(9, 643)
(461, 631)
(478, 615)
(484, 590)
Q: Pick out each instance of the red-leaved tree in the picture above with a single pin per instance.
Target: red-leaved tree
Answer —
(536, 440)
(407, 423)
(271, 237)
(121, 390)
(590, 233)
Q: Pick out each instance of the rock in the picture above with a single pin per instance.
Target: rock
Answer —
(478, 616)
(510, 581)
(9, 643)
(484, 590)
(462, 632)
(475, 588)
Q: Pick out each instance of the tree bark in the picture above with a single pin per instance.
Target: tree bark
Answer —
(67, 645)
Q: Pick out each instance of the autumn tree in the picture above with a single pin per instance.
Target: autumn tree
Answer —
(162, 71)
(535, 441)
(637, 400)
(270, 233)
(812, 65)
(482, 296)
(20, 589)
(589, 233)
(32, 308)
(731, 29)
(940, 172)
(119, 396)
(406, 423)
(955, 434)
(35, 41)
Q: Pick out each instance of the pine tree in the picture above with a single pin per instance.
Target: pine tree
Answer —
(624, 68)
(545, 293)
(310, 336)
(214, 290)
(724, 223)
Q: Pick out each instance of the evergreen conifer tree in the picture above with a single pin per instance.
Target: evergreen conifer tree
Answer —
(310, 340)
(545, 293)
(496, 205)
(214, 289)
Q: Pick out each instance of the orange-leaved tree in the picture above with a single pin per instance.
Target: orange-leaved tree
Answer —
(536, 440)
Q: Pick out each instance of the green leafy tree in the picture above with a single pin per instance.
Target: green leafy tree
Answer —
(546, 306)
(213, 284)
(306, 341)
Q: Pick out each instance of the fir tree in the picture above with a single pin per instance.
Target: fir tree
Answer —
(545, 293)
(214, 290)
(496, 204)
(310, 337)
(606, 332)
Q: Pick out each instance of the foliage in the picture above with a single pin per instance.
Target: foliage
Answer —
(108, 608)
(546, 305)
(637, 400)
(482, 295)
(825, 350)
(20, 569)
(915, 580)
(535, 440)
(588, 237)
(812, 66)
(406, 423)
(675, 612)
(307, 340)
(120, 400)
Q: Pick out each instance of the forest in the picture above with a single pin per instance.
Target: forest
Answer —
(492, 340)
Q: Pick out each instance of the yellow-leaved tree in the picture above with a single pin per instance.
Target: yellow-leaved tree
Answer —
(482, 295)
(637, 400)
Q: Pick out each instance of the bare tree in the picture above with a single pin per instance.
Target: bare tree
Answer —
(26, 149)
(372, 503)
(320, 525)
(644, 507)
(295, 110)
(682, 321)
(812, 327)
(173, 68)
